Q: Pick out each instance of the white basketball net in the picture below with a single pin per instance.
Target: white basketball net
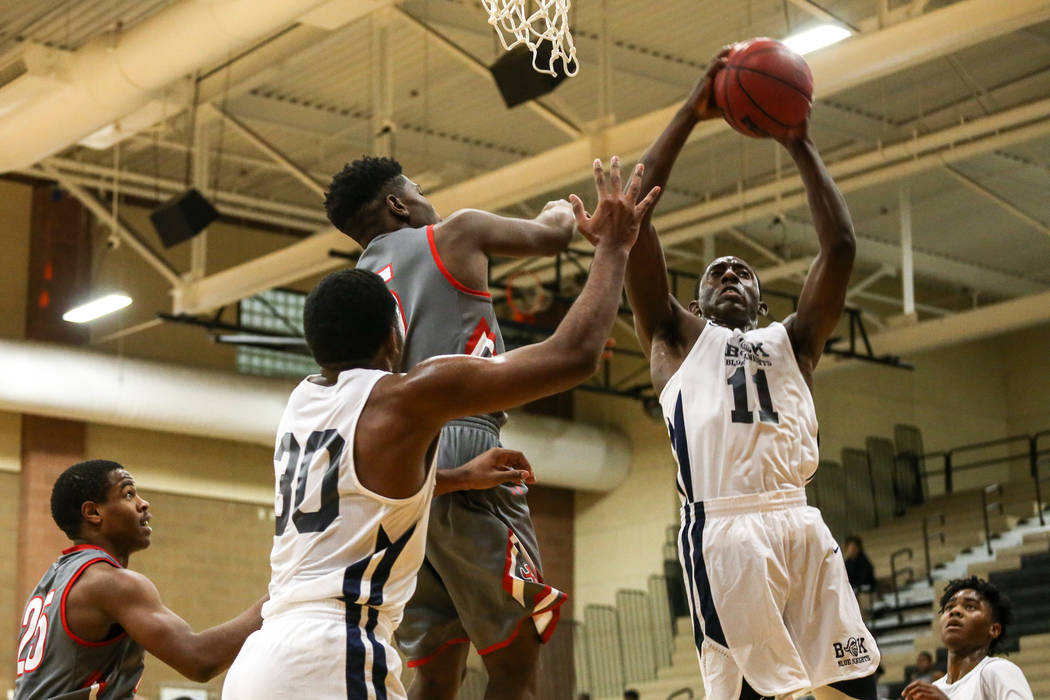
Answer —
(530, 22)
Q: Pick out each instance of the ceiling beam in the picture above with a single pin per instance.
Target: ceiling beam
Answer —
(852, 62)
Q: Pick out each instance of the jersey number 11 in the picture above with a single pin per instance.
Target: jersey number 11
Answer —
(741, 412)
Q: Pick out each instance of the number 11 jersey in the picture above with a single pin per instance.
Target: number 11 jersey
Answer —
(740, 415)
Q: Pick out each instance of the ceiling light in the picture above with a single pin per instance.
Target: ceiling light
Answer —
(816, 38)
(96, 308)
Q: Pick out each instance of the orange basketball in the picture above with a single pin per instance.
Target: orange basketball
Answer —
(765, 89)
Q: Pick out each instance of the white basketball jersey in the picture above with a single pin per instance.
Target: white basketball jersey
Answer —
(335, 539)
(740, 416)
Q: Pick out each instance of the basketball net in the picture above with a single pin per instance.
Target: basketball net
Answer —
(530, 22)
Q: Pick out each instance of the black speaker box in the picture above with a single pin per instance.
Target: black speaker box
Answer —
(183, 217)
(518, 81)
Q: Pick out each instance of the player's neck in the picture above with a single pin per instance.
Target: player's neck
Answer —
(963, 661)
(109, 547)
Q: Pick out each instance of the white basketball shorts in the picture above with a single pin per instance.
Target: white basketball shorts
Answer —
(323, 651)
(769, 597)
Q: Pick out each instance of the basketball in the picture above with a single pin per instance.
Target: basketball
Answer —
(765, 89)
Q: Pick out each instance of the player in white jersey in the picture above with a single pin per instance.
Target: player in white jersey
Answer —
(354, 465)
(974, 619)
(773, 612)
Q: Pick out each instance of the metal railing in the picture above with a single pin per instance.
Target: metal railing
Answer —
(894, 576)
(949, 459)
(988, 505)
(1035, 453)
(926, 535)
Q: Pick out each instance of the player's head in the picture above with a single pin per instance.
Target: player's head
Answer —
(371, 196)
(96, 501)
(854, 546)
(728, 293)
(974, 615)
(350, 320)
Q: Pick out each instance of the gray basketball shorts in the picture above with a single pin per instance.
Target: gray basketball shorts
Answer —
(481, 578)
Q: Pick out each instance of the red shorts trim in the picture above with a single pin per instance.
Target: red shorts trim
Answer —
(412, 663)
(448, 275)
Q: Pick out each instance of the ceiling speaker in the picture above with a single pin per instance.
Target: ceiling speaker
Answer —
(183, 217)
(517, 80)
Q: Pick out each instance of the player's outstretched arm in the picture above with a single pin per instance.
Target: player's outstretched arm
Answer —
(447, 387)
(489, 469)
(824, 293)
(656, 312)
(134, 603)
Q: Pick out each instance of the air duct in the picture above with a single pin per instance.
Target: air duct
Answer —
(65, 382)
(117, 74)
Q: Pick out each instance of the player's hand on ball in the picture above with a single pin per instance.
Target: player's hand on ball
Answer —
(702, 99)
(497, 466)
(921, 690)
(617, 216)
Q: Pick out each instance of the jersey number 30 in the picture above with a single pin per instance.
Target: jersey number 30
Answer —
(316, 521)
(741, 412)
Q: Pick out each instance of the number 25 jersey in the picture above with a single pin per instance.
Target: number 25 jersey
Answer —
(740, 415)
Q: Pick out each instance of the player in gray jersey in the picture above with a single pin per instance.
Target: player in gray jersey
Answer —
(482, 579)
(89, 620)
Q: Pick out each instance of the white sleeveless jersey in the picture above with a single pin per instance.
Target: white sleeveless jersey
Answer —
(335, 539)
(740, 415)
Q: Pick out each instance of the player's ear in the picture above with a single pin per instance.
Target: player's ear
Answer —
(763, 310)
(89, 511)
(694, 307)
(396, 206)
(995, 631)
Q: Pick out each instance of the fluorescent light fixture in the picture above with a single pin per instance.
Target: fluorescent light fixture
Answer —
(96, 308)
(816, 38)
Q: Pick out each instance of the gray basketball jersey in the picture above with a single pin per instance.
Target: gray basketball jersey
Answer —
(53, 662)
(439, 314)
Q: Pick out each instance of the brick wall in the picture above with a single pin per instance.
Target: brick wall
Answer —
(210, 560)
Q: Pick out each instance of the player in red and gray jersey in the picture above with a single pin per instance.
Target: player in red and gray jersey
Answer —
(85, 627)
(481, 581)
(113, 665)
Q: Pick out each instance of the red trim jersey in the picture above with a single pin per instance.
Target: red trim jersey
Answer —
(52, 661)
(439, 314)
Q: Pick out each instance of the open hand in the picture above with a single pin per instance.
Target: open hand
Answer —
(618, 213)
(921, 690)
(494, 467)
(702, 99)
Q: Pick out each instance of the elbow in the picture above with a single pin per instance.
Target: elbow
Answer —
(581, 364)
(845, 244)
(556, 240)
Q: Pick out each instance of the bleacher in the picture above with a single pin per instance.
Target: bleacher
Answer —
(915, 541)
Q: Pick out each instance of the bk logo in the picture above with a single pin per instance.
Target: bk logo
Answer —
(854, 646)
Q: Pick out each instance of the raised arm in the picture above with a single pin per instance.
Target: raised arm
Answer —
(824, 293)
(133, 602)
(467, 239)
(656, 312)
(455, 386)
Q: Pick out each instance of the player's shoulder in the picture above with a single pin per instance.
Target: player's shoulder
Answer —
(463, 221)
(102, 582)
(996, 667)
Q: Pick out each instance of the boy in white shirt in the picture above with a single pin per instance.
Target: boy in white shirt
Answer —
(974, 617)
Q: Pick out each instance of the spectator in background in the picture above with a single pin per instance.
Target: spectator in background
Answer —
(859, 569)
(583, 696)
(923, 669)
(631, 695)
(974, 619)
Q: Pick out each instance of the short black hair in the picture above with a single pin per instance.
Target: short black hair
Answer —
(1002, 608)
(857, 540)
(347, 317)
(700, 280)
(927, 654)
(84, 481)
(353, 198)
(630, 695)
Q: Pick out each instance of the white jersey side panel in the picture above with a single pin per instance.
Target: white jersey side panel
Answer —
(333, 537)
(740, 416)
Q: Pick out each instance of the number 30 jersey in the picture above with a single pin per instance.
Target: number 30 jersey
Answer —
(740, 415)
(334, 538)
